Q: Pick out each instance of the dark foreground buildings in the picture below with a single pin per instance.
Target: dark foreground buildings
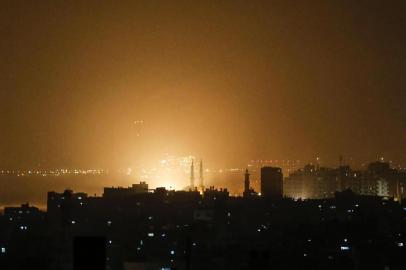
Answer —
(139, 228)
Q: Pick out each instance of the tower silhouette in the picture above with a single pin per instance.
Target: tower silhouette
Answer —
(192, 176)
(246, 184)
(201, 179)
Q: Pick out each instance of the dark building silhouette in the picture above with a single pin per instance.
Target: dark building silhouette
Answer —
(212, 194)
(89, 253)
(117, 192)
(272, 182)
(168, 229)
(25, 210)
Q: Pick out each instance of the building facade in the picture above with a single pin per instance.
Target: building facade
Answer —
(271, 182)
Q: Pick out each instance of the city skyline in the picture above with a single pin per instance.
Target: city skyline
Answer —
(300, 180)
(195, 135)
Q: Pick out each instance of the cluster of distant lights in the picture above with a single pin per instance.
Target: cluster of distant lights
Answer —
(172, 252)
(55, 172)
(170, 162)
(270, 161)
(346, 247)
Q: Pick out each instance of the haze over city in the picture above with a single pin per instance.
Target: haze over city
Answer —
(118, 85)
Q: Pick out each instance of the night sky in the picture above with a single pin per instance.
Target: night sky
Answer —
(228, 81)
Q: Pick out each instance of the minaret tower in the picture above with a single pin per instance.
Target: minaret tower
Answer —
(246, 184)
(201, 179)
(192, 176)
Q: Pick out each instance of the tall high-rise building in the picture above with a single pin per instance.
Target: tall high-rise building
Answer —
(271, 182)
(192, 176)
(201, 180)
